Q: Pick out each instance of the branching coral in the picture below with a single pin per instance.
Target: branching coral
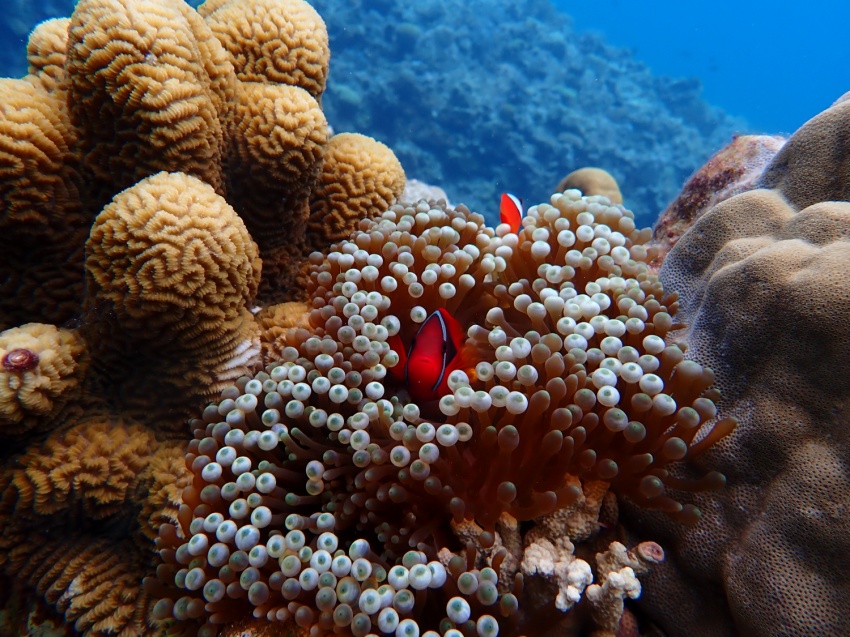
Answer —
(324, 496)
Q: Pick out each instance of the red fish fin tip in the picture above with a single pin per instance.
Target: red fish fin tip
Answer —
(511, 211)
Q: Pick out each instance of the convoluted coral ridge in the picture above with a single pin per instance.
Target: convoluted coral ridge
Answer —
(147, 93)
(764, 294)
(41, 369)
(123, 91)
(97, 471)
(116, 155)
(324, 495)
(46, 52)
(42, 227)
(249, 29)
(171, 271)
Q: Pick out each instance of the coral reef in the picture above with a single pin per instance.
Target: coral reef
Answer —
(323, 495)
(563, 99)
(763, 283)
(536, 102)
(127, 219)
(151, 174)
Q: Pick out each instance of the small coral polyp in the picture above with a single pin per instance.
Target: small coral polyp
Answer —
(323, 495)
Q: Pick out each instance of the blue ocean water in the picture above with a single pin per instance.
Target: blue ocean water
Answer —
(775, 63)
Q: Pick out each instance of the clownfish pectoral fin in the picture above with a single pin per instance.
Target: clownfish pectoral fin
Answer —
(511, 211)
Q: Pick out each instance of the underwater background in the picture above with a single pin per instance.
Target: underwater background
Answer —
(178, 226)
(486, 96)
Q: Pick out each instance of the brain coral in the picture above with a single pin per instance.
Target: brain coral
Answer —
(120, 92)
(146, 93)
(323, 495)
(125, 219)
(89, 449)
(763, 282)
(171, 270)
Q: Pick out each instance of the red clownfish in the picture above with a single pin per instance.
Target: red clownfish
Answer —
(511, 211)
(434, 353)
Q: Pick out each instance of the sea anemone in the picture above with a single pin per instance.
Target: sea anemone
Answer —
(323, 494)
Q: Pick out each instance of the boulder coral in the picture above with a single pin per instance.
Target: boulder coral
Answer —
(118, 93)
(132, 263)
(763, 289)
(323, 494)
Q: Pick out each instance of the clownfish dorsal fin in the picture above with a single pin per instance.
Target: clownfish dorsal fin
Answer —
(511, 211)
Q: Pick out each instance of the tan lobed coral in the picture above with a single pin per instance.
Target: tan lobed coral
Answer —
(171, 271)
(133, 106)
(359, 174)
(120, 92)
(41, 370)
(46, 52)
(763, 282)
(97, 470)
(293, 30)
(146, 93)
(42, 225)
